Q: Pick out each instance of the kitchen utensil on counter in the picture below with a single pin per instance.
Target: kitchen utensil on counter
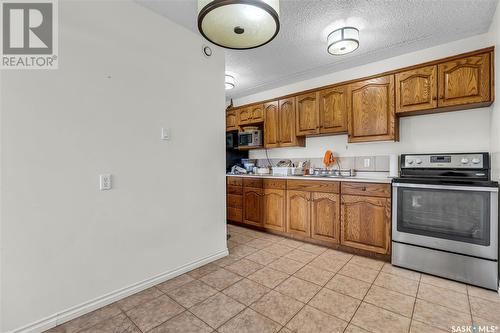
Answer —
(237, 170)
(249, 164)
(284, 163)
(263, 171)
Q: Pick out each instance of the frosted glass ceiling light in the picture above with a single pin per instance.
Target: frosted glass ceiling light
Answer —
(239, 24)
(342, 41)
(230, 82)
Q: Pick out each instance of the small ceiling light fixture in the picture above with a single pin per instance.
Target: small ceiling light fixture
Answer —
(230, 82)
(342, 41)
(239, 24)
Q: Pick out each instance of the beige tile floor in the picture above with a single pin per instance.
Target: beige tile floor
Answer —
(272, 284)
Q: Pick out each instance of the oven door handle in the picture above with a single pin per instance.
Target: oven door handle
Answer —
(448, 187)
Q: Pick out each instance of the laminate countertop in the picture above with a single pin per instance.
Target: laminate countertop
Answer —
(361, 179)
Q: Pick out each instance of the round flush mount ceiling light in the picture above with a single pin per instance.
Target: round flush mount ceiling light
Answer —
(230, 82)
(342, 41)
(239, 24)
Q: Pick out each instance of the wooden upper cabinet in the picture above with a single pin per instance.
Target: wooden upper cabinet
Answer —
(416, 89)
(257, 113)
(253, 206)
(245, 116)
(366, 223)
(325, 217)
(232, 120)
(465, 81)
(298, 217)
(251, 114)
(287, 137)
(274, 209)
(279, 124)
(271, 124)
(333, 110)
(307, 114)
(371, 110)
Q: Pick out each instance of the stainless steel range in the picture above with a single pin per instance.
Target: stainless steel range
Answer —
(445, 217)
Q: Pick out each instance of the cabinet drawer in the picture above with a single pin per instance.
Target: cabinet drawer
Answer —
(368, 189)
(234, 200)
(234, 189)
(236, 181)
(279, 184)
(252, 182)
(313, 186)
(234, 214)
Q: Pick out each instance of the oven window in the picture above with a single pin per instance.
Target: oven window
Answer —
(450, 214)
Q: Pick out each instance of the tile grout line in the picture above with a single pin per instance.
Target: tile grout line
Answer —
(415, 303)
(221, 291)
(362, 300)
(322, 287)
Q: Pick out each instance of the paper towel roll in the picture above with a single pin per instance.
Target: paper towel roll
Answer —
(393, 165)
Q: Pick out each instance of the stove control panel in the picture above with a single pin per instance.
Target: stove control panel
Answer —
(446, 161)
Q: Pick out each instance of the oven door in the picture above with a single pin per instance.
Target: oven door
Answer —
(457, 219)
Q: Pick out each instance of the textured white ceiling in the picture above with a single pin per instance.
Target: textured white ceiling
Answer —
(387, 28)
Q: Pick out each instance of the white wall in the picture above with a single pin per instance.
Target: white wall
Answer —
(495, 109)
(446, 132)
(63, 242)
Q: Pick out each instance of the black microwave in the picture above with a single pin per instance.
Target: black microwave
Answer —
(232, 140)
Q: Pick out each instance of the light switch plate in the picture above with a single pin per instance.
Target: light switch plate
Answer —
(165, 134)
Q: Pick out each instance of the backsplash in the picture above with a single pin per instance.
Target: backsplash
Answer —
(379, 163)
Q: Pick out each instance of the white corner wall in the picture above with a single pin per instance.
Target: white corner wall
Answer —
(495, 108)
(124, 73)
(460, 131)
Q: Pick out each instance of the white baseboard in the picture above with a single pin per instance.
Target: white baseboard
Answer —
(81, 309)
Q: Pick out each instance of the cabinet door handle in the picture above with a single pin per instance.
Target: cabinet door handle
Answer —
(434, 98)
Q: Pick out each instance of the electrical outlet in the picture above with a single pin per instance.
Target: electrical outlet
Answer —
(105, 182)
(366, 162)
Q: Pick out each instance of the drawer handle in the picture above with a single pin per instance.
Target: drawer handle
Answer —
(363, 189)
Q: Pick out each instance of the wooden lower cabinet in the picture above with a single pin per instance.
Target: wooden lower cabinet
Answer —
(366, 223)
(325, 217)
(274, 209)
(346, 214)
(298, 215)
(234, 199)
(253, 206)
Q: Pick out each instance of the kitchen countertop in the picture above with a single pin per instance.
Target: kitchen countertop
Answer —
(361, 179)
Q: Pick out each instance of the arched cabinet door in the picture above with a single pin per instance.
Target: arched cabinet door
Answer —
(271, 124)
(287, 136)
(307, 115)
(366, 223)
(274, 209)
(416, 89)
(333, 110)
(245, 116)
(232, 120)
(253, 206)
(464, 81)
(298, 219)
(372, 115)
(325, 217)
